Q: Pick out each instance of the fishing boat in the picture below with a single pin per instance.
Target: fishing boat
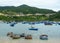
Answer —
(13, 23)
(58, 23)
(32, 28)
(47, 23)
(38, 22)
(32, 23)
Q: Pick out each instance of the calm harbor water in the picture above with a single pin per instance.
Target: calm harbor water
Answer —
(53, 31)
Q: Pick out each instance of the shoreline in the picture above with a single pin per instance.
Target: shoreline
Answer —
(8, 40)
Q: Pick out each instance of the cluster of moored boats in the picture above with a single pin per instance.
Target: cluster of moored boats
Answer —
(18, 36)
(38, 22)
(33, 23)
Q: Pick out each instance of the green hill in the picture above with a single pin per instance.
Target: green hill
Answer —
(24, 9)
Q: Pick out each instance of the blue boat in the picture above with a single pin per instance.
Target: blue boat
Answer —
(37, 22)
(12, 24)
(48, 23)
(58, 23)
(32, 28)
(24, 22)
(31, 23)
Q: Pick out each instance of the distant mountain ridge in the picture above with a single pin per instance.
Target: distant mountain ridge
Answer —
(25, 9)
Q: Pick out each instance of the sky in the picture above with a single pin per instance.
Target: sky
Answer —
(46, 4)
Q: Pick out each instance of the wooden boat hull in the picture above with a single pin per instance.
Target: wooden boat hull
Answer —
(28, 37)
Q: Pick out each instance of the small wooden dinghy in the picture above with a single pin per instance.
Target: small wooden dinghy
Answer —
(28, 37)
(15, 36)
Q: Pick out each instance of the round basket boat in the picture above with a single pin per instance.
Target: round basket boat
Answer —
(44, 37)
